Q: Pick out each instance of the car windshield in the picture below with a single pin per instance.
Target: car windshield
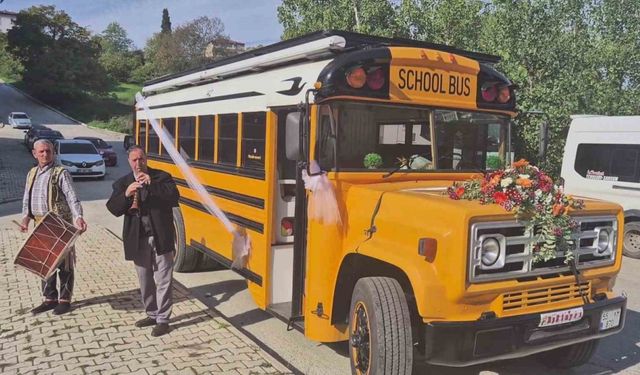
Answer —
(20, 116)
(375, 136)
(77, 148)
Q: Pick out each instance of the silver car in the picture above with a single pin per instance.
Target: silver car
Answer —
(19, 120)
(80, 158)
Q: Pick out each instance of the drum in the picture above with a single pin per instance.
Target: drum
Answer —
(47, 246)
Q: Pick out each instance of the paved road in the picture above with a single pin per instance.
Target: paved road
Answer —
(225, 293)
(12, 100)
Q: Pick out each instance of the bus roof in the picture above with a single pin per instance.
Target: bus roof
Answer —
(340, 42)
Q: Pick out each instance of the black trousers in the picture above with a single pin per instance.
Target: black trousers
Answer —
(49, 287)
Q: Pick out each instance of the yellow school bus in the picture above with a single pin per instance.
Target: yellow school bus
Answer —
(407, 275)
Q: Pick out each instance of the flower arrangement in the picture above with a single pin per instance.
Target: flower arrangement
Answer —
(535, 199)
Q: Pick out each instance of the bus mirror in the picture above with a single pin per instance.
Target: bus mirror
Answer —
(543, 141)
(292, 135)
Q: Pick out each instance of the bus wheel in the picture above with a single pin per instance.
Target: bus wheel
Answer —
(569, 356)
(186, 259)
(631, 246)
(379, 328)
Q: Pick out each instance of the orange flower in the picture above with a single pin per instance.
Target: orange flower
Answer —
(495, 180)
(558, 209)
(524, 182)
(520, 163)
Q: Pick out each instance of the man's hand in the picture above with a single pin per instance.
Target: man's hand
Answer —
(131, 189)
(81, 225)
(24, 225)
(143, 178)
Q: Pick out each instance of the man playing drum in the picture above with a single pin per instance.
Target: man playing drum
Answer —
(49, 188)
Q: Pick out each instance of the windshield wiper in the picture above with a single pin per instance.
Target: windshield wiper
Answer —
(402, 164)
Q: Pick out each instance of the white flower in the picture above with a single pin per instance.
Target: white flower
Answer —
(506, 182)
(538, 193)
(524, 176)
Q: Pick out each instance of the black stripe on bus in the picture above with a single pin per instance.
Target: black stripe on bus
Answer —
(247, 274)
(247, 94)
(242, 221)
(230, 195)
(243, 172)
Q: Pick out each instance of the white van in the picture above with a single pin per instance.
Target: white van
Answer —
(602, 160)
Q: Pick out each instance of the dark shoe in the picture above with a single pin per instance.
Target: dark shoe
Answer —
(146, 322)
(160, 329)
(62, 308)
(45, 306)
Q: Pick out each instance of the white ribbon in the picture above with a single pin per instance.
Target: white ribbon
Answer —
(323, 205)
(241, 245)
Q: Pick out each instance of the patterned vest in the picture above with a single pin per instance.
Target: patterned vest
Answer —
(56, 199)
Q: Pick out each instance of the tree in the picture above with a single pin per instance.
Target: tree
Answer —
(60, 58)
(117, 55)
(183, 49)
(165, 27)
(10, 68)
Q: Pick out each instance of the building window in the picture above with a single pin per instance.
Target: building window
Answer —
(142, 134)
(253, 138)
(228, 139)
(154, 143)
(187, 136)
(169, 125)
(206, 144)
(608, 162)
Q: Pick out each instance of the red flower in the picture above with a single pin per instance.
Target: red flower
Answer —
(500, 197)
(460, 191)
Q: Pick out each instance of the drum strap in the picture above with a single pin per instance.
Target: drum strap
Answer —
(31, 177)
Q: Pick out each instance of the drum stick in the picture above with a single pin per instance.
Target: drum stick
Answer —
(16, 223)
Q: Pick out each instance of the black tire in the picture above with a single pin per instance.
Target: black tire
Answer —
(379, 328)
(631, 247)
(569, 356)
(186, 259)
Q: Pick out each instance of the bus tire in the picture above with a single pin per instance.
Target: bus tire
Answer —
(380, 339)
(569, 356)
(186, 259)
(631, 247)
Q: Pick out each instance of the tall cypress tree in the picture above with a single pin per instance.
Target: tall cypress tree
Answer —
(165, 28)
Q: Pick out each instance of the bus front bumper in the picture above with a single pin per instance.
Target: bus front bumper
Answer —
(469, 343)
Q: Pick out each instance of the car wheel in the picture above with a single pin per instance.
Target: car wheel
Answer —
(569, 356)
(380, 340)
(631, 247)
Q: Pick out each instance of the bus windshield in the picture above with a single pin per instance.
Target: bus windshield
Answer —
(363, 136)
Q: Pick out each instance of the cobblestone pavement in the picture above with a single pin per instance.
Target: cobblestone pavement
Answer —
(99, 336)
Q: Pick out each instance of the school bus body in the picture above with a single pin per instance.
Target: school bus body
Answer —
(401, 230)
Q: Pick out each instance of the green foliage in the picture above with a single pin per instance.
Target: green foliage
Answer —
(117, 57)
(10, 68)
(494, 162)
(59, 57)
(121, 124)
(372, 160)
(165, 27)
(566, 56)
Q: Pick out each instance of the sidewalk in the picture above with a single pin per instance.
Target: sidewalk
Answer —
(98, 335)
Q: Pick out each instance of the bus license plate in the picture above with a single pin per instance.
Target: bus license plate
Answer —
(610, 319)
(561, 317)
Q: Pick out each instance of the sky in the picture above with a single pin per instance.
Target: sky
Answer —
(252, 22)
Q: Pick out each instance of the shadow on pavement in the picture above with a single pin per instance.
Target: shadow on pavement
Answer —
(127, 300)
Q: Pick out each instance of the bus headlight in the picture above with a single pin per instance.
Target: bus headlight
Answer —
(489, 251)
(604, 240)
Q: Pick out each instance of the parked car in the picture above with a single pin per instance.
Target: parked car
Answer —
(34, 134)
(80, 157)
(19, 120)
(106, 150)
(29, 133)
(129, 141)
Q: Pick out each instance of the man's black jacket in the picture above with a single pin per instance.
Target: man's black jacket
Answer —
(158, 199)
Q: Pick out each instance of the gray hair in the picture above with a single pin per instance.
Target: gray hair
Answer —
(134, 148)
(43, 142)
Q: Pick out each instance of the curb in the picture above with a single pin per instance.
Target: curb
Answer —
(44, 104)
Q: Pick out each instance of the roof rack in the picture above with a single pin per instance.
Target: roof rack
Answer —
(316, 45)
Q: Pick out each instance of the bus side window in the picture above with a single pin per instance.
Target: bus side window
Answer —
(253, 139)
(206, 143)
(154, 142)
(169, 125)
(142, 134)
(187, 136)
(228, 139)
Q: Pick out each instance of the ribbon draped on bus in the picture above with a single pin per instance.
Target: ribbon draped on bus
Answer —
(241, 245)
